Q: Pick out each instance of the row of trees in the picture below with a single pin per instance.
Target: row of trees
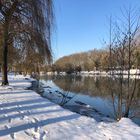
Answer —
(25, 32)
(95, 60)
(88, 61)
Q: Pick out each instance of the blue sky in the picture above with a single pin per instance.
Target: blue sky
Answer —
(82, 25)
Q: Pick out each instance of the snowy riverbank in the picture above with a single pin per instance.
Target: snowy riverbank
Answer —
(25, 115)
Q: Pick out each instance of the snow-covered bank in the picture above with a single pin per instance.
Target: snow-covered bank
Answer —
(25, 115)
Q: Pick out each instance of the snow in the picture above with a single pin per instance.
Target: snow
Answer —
(25, 115)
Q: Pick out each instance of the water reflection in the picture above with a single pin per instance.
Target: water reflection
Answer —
(103, 94)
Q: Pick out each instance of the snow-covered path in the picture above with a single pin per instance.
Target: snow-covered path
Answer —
(25, 115)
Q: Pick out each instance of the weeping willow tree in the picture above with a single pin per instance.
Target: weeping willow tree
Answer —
(25, 23)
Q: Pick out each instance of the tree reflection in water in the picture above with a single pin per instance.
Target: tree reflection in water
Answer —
(105, 88)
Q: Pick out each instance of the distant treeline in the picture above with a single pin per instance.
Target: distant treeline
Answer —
(93, 60)
(86, 61)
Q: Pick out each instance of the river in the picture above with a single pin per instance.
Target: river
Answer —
(97, 97)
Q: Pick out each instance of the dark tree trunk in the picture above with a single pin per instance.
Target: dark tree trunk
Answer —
(126, 114)
(5, 58)
(7, 16)
(4, 65)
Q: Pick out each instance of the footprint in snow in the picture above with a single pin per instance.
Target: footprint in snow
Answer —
(44, 135)
(18, 111)
(7, 126)
(27, 133)
(12, 135)
(9, 120)
(29, 112)
(22, 117)
(33, 134)
(37, 128)
(35, 120)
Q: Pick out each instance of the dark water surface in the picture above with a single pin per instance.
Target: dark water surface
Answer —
(97, 97)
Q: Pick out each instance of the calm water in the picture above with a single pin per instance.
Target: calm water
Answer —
(98, 97)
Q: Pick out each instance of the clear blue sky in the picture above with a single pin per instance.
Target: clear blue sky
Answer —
(81, 25)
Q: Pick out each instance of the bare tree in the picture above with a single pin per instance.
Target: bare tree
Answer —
(122, 52)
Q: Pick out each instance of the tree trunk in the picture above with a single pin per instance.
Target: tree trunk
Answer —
(5, 56)
(4, 65)
(8, 17)
(126, 114)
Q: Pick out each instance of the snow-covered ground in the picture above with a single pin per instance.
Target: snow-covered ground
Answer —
(25, 115)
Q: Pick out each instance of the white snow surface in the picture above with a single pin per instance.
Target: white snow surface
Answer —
(25, 115)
